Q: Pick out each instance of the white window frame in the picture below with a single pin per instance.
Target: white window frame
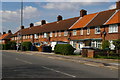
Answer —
(31, 36)
(81, 31)
(113, 28)
(35, 36)
(55, 34)
(59, 33)
(45, 35)
(74, 32)
(51, 34)
(97, 30)
(88, 31)
(65, 33)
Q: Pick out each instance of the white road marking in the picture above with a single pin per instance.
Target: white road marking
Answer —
(58, 71)
(23, 61)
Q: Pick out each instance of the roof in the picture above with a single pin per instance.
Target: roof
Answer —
(84, 21)
(6, 36)
(49, 27)
(115, 18)
(101, 18)
(96, 19)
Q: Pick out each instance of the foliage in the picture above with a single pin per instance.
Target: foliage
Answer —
(117, 44)
(105, 44)
(11, 45)
(65, 49)
(26, 46)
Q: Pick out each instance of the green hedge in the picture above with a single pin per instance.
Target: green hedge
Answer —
(105, 44)
(26, 46)
(11, 45)
(65, 49)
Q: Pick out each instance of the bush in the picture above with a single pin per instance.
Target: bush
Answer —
(65, 49)
(117, 45)
(26, 46)
(11, 45)
(105, 44)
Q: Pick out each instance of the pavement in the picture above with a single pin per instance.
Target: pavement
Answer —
(49, 65)
(108, 63)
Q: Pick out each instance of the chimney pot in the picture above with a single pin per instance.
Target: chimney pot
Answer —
(43, 22)
(59, 18)
(31, 24)
(9, 31)
(22, 27)
(83, 12)
(118, 5)
(4, 32)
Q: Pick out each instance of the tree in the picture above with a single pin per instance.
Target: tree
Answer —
(117, 44)
(105, 44)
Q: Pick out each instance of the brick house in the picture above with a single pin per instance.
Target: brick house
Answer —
(5, 37)
(49, 33)
(92, 29)
(85, 30)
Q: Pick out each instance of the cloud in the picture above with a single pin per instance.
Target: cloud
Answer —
(112, 6)
(62, 6)
(39, 23)
(14, 16)
(65, 5)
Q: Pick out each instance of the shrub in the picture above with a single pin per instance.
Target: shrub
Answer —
(117, 44)
(105, 44)
(26, 46)
(11, 45)
(65, 49)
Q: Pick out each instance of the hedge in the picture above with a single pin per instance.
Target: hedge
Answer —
(105, 44)
(26, 46)
(65, 49)
(11, 45)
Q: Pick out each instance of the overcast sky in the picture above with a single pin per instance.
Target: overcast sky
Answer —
(34, 12)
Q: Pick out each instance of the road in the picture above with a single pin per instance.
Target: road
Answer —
(17, 65)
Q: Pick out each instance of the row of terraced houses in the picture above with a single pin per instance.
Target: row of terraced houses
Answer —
(85, 30)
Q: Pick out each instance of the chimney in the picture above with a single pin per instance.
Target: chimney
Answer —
(43, 22)
(83, 12)
(118, 5)
(59, 18)
(22, 27)
(31, 24)
(9, 31)
(4, 32)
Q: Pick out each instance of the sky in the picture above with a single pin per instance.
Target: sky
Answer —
(34, 12)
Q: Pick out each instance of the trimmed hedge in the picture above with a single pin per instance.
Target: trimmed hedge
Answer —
(105, 44)
(11, 45)
(65, 49)
(26, 46)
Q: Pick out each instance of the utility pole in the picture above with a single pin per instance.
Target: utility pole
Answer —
(20, 33)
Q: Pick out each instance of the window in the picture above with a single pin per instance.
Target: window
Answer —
(55, 34)
(88, 31)
(74, 32)
(31, 36)
(81, 32)
(45, 35)
(23, 37)
(50, 34)
(65, 33)
(35, 36)
(97, 30)
(59, 34)
(113, 28)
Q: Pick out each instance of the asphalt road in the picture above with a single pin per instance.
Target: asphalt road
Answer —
(17, 65)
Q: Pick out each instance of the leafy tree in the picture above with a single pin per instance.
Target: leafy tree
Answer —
(117, 44)
(26, 46)
(105, 44)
